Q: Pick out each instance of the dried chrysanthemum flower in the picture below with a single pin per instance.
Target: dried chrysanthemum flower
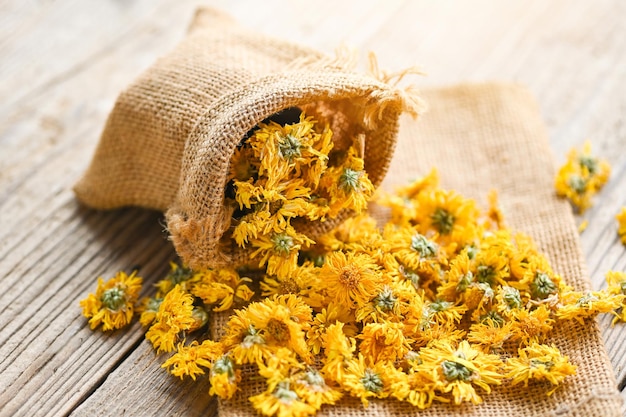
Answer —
(311, 386)
(367, 381)
(462, 367)
(174, 317)
(332, 314)
(581, 177)
(348, 185)
(530, 326)
(539, 362)
(113, 304)
(279, 251)
(351, 279)
(419, 387)
(490, 334)
(178, 275)
(577, 305)
(189, 360)
(383, 342)
(617, 286)
(281, 397)
(224, 377)
(282, 400)
(221, 288)
(149, 308)
(338, 350)
(621, 222)
(282, 321)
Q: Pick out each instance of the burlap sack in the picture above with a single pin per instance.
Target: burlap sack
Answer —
(168, 142)
(482, 137)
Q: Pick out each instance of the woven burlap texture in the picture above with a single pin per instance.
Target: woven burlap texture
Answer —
(168, 142)
(483, 137)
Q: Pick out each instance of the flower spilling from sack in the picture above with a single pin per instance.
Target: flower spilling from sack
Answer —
(441, 304)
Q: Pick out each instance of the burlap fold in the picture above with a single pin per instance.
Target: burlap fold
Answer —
(483, 137)
(168, 142)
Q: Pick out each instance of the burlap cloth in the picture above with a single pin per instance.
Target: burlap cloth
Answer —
(483, 137)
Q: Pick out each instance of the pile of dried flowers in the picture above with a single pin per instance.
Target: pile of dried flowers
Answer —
(441, 304)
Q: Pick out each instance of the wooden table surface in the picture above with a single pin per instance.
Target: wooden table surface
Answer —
(63, 63)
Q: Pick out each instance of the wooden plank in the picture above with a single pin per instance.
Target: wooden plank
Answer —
(57, 39)
(140, 386)
(51, 249)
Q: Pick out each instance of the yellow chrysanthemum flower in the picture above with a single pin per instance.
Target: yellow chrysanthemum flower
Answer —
(348, 185)
(175, 316)
(389, 305)
(149, 308)
(419, 387)
(540, 282)
(578, 305)
(539, 362)
(243, 341)
(189, 360)
(338, 350)
(356, 233)
(224, 378)
(621, 222)
(530, 326)
(418, 257)
(403, 202)
(367, 381)
(282, 401)
(581, 177)
(451, 216)
(221, 288)
(492, 260)
(460, 368)
(616, 281)
(243, 165)
(304, 283)
(178, 275)
(311, 386)
(490, 334)
(273, 208)
(280, 366)
(508, 298)
(298, 146)
(279, 251)
(113, 304)
(457, 278)
(282, 321)
(330, 315)
(351, 279)
(523, 253)
(383, 342)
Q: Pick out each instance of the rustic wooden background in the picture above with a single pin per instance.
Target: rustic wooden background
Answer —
(62, 64)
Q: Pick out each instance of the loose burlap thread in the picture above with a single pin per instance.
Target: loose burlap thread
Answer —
(483, 137)
(168, 142)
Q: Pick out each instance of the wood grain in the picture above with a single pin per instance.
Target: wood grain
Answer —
(62, 65)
